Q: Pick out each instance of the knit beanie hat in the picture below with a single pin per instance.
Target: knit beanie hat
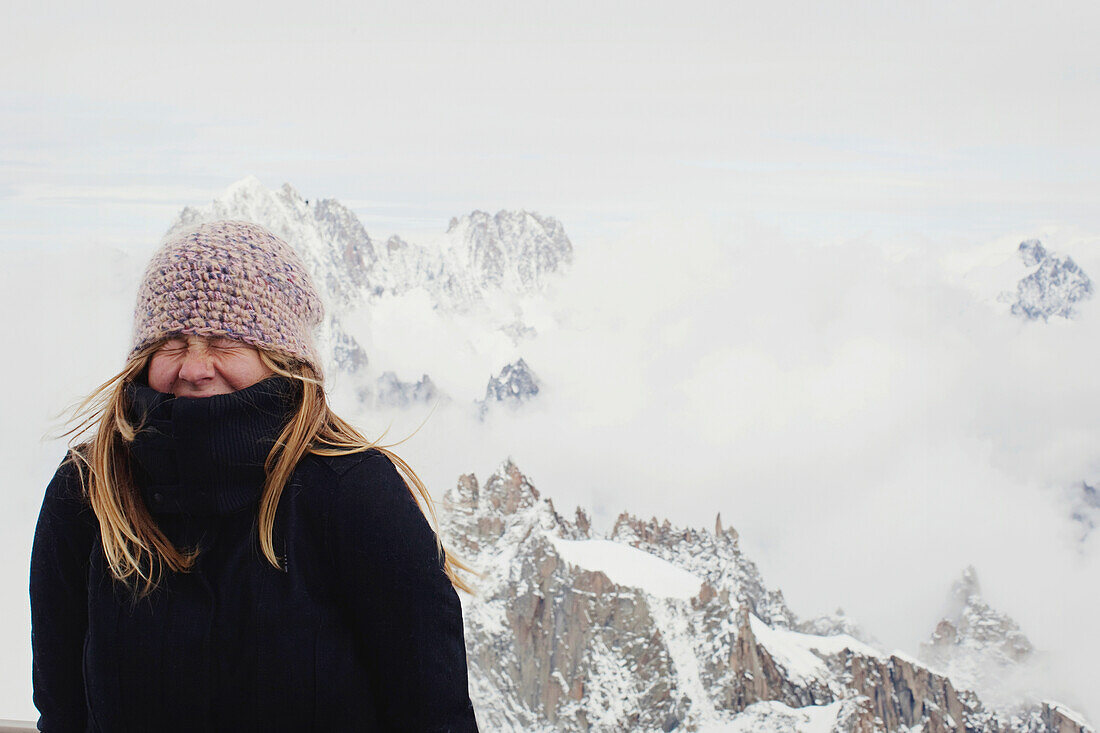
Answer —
(234, 279)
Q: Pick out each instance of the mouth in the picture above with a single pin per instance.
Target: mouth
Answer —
(198, 393)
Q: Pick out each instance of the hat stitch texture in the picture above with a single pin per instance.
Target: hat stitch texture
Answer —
(229, 278)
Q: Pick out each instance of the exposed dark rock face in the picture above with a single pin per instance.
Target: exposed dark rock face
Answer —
(559, 646)
(515, 385)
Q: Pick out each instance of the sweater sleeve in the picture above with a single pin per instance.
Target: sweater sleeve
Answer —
(407, 613)
(59, 602)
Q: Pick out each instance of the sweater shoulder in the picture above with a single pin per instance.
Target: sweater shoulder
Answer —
(66, 511)
(367, 481)
(349, 473)
(67, 485)
(338, 468)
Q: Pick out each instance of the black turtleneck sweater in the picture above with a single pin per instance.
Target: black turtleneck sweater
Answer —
(362, 630)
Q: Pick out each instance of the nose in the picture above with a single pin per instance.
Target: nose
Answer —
(197, 366)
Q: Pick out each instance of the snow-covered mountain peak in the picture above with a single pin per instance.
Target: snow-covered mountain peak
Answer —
(392, 392)
(714, 556)
(291, 194)
(1032, 252)
(514, 250)
(515, 385)
(981, 648)
(486, 269)
(247, 187)
(508, 490)
(327, 235)
(659, 628)
(1053, 289)
(974, 627)
(1025, 277)
(966, 588)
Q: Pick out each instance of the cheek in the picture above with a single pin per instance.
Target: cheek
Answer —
(244, 370)
(162, 373)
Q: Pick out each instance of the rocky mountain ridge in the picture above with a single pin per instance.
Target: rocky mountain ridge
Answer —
(516, 252)
(482, 263)
(976, 644)
(515, 385)
(660, 628)
(1055, 288)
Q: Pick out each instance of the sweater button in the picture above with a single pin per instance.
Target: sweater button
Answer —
(158, 497)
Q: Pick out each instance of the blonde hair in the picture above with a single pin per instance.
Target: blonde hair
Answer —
(137, 551)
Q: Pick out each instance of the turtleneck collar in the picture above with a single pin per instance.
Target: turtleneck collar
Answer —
(206, 455)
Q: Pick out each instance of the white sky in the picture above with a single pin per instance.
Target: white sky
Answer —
(867, 423)
(825, 117)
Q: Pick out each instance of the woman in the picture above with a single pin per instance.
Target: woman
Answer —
(225, 553)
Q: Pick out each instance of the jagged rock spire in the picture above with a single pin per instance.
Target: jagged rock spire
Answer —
(559, 644)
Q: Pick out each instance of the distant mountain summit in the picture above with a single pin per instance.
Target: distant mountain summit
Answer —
(326, 234)
(1053, 289)
(515, 252)
(974, 626)
(515, 385)
(977, 646)
(481, 262)
(392, 392)
(661, 628)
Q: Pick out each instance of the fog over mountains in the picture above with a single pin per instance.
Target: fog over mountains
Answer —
(872, 426)
(650, 627)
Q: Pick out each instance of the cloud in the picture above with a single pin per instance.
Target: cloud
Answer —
(867, 422)
(166, 198)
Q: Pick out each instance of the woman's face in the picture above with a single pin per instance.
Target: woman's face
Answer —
(198, 366)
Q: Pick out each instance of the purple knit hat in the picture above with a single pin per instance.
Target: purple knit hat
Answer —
(234, 279)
